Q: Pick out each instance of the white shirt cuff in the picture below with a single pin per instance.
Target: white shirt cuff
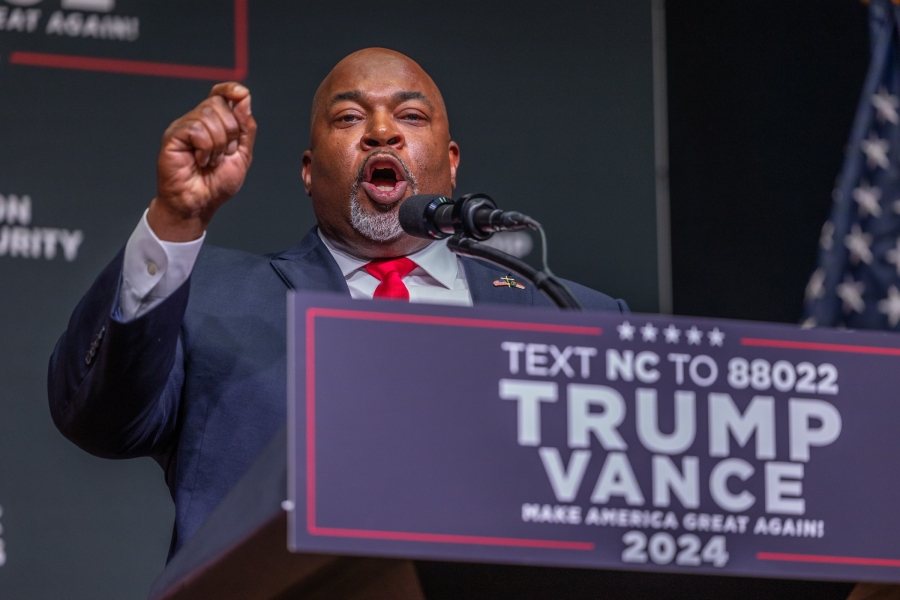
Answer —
(153, 270)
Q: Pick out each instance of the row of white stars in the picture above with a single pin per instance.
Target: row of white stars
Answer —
(672, 334)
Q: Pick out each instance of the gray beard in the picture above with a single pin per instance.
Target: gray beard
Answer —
(376, 226)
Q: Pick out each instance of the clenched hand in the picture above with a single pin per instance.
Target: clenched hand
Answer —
(203, 161)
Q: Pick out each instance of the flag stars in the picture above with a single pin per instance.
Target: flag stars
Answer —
(860, 251)
(893, 256)
(626, 331)
(868, 199)
(815, 289)
(859, 245)
(826, 239)
(851, 293)
(648, 332)
(716, 337)
(876, 151)
(886, 106)
(694, 335)
(890, 306)
(672, 334)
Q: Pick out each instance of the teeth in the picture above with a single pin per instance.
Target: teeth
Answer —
(385, 188)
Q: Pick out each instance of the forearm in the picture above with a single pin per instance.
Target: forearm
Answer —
(114, 384)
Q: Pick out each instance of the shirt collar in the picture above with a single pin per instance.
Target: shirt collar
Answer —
(436, 259)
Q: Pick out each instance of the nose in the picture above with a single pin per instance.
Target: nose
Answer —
(382, 131)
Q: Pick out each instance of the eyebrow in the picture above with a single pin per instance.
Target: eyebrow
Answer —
(352, 95)
(404, 96)
(358, 95)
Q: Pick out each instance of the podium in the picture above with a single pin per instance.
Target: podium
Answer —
(548, 438)
(240, 552)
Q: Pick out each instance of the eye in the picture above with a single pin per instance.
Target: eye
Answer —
(347, 118)
(413, 117)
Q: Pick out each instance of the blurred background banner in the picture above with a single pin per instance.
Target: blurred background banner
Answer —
(552, 106)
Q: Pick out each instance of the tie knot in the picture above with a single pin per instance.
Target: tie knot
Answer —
(379, 269)
(391, 273)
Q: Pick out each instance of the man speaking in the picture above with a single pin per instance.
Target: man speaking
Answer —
(178, 352)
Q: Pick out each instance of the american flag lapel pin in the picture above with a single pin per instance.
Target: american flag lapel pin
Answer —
(508, 282)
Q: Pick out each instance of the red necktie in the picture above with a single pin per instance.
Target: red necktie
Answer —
(391, 273)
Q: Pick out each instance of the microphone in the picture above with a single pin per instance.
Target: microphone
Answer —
(476, 216)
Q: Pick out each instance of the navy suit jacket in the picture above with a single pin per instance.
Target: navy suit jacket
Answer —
(199, 382)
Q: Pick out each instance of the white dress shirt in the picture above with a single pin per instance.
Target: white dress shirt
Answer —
(153, 269)
(438, 278)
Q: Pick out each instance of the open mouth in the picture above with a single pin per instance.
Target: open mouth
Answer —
(384, 179)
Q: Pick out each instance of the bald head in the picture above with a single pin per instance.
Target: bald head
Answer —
(372, 65)
(379, 135)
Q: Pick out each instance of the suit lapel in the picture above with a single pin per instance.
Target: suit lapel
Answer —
(310, 266)
(481, 277)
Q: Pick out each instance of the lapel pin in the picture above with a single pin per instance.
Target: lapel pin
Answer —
(509, 282)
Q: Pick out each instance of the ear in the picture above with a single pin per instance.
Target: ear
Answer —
(307, 172)
(453, 149)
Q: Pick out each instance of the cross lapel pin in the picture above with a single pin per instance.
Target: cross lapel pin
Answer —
(508, 282)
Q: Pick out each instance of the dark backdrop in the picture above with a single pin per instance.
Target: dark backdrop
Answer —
(551, 105)
(761, 99)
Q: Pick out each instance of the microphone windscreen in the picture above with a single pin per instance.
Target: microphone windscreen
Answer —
(414, 215)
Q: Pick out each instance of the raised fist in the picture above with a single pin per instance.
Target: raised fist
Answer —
(203, 161)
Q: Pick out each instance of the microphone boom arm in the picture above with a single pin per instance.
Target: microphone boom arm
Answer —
(557, 293)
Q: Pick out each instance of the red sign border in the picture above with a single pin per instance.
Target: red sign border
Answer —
(314, 529)
(824, 347)
(311, 526)
(135, 67)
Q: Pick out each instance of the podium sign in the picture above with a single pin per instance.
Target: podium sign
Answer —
(498, 434)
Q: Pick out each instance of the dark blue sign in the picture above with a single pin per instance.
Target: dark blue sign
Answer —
(593, 440)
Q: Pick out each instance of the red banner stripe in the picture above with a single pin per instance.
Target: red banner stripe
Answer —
(834, 560)
(763, 343)
(137, 67)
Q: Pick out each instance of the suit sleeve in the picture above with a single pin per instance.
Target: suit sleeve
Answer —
(594, 300)
(115, 387)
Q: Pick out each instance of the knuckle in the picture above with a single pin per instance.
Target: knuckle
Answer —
(200, 137)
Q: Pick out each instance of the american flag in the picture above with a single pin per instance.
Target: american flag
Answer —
(857, 282)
